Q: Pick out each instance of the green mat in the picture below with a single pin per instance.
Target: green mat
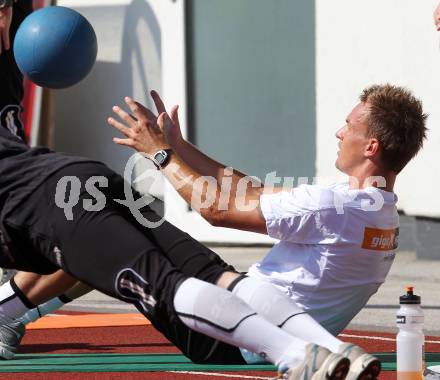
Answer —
(115, 363)
(145, 363)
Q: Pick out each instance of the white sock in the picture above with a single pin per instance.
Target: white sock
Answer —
(279, 309)
(13, 303)
(214, 311)
(41, 310)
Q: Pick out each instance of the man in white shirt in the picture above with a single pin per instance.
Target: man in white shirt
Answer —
(337, 242)
(329, 260)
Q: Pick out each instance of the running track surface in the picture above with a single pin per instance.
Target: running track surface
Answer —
(80, 333)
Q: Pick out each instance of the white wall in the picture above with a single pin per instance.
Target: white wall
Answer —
(358, 43)
(365, 42)
(139, 49)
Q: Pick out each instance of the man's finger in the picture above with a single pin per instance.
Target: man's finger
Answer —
(119, 126)
(142, 113)
(158, 102)
(175, 115)
(150, 115)
(163, 121)
(124, 116)
(126, 142)
(134, 107)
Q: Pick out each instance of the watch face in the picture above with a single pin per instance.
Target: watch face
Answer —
(160, 157)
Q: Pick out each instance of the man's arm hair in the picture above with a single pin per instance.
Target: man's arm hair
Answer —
(203, 164)
(234, 205)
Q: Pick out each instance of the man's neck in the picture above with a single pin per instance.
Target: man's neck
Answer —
(383, 180)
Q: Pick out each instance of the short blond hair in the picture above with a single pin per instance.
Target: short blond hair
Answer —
(396, 119)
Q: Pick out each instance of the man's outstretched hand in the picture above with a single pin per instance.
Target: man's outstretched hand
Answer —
(144, 131)
(5, 24)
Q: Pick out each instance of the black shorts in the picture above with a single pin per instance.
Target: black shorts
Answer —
(110, 251)
(11, 79)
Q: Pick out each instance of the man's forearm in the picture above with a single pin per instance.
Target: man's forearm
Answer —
(227, 208)
(203, 164)
(190, 183)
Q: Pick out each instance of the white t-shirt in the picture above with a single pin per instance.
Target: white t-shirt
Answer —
(336, 248)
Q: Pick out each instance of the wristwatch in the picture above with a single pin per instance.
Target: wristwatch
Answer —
(7, 3)
(161, 158)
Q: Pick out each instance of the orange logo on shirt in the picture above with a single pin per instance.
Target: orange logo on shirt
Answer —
(380, 240)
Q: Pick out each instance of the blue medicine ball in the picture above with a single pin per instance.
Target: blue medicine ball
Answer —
(55, 47)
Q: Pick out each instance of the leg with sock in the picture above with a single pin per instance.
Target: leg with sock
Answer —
(76, 291)
(279, 309)
(41, 287)
(44, 309)
(216, 312)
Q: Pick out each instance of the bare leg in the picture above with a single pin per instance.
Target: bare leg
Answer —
(41, 288)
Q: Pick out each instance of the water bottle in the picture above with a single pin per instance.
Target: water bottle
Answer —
(410, 339)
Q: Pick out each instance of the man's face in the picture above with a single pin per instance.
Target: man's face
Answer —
(353, 141)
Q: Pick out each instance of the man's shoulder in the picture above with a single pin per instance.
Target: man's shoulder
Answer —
(319, 188)
(338, 197)
(322, 196)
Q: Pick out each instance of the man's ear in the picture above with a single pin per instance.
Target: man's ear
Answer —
(372, 148)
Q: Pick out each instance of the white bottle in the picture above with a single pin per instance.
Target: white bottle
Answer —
(410, 339)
